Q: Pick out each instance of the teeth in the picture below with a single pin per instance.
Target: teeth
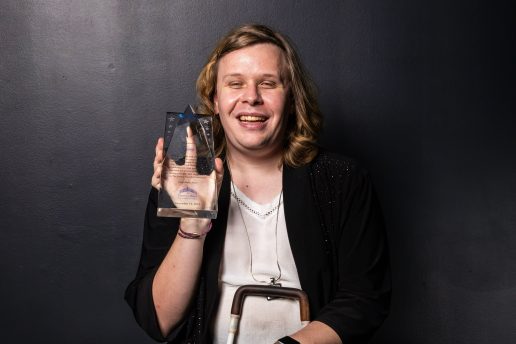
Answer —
(249, 118)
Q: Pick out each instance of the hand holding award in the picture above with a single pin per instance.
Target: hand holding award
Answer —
(188, 176)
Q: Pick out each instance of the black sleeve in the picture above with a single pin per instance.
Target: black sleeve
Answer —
(362, 297)
(158, 235)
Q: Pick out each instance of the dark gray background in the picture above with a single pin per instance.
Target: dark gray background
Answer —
(422, 92)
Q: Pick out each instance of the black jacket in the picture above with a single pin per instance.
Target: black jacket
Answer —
(336, 233)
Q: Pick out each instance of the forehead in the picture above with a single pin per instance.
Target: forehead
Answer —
(263, 58)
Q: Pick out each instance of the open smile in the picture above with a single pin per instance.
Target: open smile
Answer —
(252, 118)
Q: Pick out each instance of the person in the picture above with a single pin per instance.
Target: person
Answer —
(289, 214)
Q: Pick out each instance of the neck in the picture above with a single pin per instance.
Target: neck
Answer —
(254, 163)
(260, 178)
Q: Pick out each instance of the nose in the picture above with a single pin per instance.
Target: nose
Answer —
(252, 95)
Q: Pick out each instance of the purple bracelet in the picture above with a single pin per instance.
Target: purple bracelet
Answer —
(188, 235)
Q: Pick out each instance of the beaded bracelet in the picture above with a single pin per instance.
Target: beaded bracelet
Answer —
(187, 235)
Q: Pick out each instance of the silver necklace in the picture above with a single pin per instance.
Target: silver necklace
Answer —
(250, 209)
(274, 281)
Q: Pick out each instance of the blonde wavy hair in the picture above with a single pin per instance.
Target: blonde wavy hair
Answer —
(304, 121)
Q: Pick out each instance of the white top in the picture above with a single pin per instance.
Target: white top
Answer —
(262, 321)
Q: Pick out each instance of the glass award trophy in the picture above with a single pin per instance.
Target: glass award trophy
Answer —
(188, 180)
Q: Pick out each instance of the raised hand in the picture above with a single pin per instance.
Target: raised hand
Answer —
(187, 188)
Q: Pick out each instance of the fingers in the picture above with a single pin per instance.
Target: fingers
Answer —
(191, 149)
(159, 149)
(157, 164)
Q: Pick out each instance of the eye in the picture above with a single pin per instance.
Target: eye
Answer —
(268, 84)
(235, 84)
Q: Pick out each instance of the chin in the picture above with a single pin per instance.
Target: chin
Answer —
(258, 146)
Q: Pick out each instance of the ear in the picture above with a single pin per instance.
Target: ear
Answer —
(216, 103)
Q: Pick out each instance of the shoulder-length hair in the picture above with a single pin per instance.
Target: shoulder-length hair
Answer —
(304, 120)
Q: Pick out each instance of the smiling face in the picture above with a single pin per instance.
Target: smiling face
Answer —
(251, 98)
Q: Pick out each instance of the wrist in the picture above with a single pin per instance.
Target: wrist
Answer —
(192, 228)
(198, 225)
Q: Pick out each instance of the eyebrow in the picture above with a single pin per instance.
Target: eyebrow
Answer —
(267, 75)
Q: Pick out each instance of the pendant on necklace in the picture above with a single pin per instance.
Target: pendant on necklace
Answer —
(273, 283)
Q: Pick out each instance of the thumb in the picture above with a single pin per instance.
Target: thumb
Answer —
(191, 149)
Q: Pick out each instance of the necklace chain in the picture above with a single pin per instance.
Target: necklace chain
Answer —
(273, 280)
(256, 212)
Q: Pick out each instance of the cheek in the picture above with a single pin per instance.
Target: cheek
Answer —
(226, 102)
(279, 103)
